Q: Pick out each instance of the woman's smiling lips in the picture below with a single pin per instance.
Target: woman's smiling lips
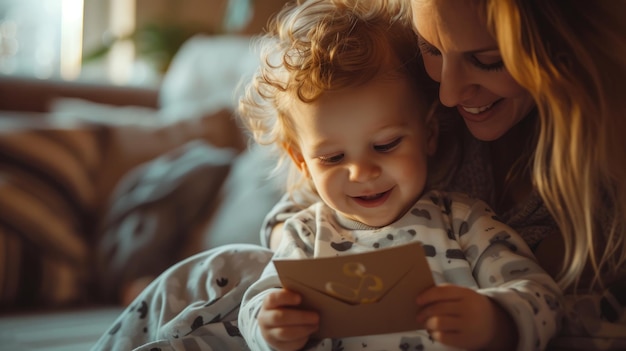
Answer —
(477, 110)
(372, 200)
(478, 113)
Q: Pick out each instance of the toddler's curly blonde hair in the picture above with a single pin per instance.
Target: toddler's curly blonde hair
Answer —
(314, 46)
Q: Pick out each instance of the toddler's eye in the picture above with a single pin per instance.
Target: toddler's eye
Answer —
(389, 146)
(331, 159)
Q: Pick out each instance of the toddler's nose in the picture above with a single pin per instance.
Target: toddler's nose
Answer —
(364, 170)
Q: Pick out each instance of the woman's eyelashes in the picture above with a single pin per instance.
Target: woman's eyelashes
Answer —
(429, 49)
(494, 66)
(426, 48)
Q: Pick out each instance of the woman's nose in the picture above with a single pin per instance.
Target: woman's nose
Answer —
(456, 84)
(364, 170)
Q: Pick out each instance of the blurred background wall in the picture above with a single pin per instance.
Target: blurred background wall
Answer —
(124, 42)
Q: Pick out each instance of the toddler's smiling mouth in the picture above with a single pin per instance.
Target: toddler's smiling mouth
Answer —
(372, 200)
(371, 197)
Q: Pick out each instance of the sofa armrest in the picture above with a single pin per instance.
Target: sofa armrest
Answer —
(36, 95)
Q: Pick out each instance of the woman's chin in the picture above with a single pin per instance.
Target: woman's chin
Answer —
(485, 132)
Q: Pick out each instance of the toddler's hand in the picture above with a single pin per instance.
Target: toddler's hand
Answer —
(283, 325)
(461, 317)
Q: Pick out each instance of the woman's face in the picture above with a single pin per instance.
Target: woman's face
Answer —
(464, 58)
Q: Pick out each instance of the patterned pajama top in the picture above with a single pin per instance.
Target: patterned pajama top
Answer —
(465, 244)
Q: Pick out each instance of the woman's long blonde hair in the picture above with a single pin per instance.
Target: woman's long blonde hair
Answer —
(571, 56)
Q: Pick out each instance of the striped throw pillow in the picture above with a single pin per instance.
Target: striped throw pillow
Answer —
(47, 197)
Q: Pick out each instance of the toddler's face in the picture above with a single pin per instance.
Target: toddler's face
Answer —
(366, 149)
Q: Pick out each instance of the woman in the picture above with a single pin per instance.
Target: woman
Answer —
(542, 84)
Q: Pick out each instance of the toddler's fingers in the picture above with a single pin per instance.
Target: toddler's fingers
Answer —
(287, 318)
(439, 293)
(438, 309)
(443, 324)
(280, 298)
(292, 333)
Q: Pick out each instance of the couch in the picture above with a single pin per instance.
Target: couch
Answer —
(102, 185)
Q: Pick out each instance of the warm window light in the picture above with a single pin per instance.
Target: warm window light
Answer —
(122, 55)
(71, 38)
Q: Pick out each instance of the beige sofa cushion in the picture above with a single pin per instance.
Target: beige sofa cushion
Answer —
(133, 135)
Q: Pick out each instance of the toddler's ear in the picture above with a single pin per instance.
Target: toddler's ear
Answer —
(297, 159)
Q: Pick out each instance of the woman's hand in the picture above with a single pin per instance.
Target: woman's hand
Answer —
(463, 318)
(283, 325)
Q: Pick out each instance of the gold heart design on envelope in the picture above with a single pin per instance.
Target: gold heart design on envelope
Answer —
(355, 294)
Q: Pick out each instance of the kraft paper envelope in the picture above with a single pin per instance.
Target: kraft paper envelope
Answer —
(360, 294)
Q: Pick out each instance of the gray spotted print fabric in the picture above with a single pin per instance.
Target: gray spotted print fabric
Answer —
(191, 306)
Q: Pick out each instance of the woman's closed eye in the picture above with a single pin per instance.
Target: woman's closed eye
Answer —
(496, 65)
(388, 146)
(480, 63)
(426, 48)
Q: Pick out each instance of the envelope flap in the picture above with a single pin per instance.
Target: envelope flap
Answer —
(358, 278)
